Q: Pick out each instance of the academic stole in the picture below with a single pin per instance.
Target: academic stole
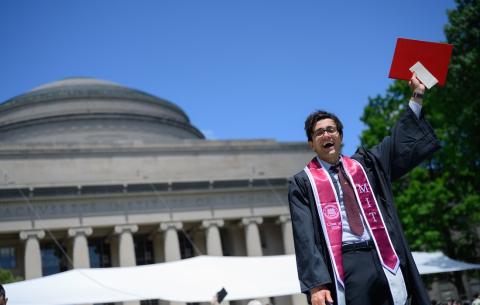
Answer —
(328, 208)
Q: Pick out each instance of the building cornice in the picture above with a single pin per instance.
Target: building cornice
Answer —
(21, 192)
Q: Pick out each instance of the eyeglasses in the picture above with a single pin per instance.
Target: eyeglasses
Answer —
(320, 131)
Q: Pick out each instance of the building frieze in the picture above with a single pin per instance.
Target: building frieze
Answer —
(30, 209)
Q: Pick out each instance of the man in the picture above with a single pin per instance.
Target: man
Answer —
(3, 298)
(349, 244)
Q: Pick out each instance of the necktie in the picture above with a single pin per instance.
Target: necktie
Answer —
(349, 201)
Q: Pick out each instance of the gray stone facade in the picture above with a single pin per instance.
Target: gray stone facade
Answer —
(86, 162)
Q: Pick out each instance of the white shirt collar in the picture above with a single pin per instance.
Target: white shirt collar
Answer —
(326, 165)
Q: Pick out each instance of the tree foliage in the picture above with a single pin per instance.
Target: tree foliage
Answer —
(439, 201)
(7, 277)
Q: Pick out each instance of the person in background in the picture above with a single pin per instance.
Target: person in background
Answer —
(476, 299)
(3, 297)
(254, 302)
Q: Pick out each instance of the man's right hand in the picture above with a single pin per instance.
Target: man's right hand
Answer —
(320, 296)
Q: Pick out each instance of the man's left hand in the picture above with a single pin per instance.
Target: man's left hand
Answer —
(416, 85)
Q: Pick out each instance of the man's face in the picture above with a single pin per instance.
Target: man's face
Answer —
(325, 143)
(3, 300)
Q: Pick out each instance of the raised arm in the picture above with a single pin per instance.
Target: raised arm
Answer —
(411, 141)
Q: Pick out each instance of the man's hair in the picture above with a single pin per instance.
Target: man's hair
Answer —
(2, 291)
(318, 115)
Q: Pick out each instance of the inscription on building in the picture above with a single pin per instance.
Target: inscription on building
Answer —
(130, 205)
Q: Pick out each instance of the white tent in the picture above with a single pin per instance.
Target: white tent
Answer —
(190, 280)
(437, 262)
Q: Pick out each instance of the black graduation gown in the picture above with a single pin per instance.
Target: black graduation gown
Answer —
(412, 140)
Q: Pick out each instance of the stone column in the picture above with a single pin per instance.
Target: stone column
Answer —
(126, 247)
(435, 291)
(214, 242)
(254, 244)
(33, 256)
(172, 245)
(252, 235)
(81, 255)
(287, 233)
(466, 285)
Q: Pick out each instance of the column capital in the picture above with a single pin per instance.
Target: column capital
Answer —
(177, 225)
(119, 229)
(212, 222)
(87, 231)
(284, 219)
(24, 235)
(248, 220)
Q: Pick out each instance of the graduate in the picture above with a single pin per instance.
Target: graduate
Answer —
(349, 243)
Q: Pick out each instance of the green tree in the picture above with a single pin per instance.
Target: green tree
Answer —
(439, 201)
(7, 277)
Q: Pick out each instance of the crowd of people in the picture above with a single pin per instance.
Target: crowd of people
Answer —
(476, 301)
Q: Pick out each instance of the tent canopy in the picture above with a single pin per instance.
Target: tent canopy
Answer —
(437, 262)
(190, 280)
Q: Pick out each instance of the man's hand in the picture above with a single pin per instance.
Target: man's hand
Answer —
(417, 87)
(321, 295)
(416, 84)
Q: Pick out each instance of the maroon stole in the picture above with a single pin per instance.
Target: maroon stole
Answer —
(328, 209)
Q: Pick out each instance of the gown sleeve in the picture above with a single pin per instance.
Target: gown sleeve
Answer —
(311, 266)
(411, 141)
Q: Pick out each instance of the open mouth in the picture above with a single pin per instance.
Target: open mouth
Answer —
(328, 145)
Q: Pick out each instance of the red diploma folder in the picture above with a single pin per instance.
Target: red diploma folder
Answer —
(434, 56)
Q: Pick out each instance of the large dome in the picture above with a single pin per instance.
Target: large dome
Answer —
(85, 110)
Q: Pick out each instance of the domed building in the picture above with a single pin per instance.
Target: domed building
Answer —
(84, 110)
(94, 174)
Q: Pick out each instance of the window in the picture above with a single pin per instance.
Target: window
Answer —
(143, 250)
(99, 252)
(187, 249)
(53, 259)
(225, 238)
(7, 257)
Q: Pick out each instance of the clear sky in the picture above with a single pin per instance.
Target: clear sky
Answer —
(243, 69)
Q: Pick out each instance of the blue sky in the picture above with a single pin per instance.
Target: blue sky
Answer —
(245, 69)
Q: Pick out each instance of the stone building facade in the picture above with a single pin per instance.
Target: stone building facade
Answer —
(94, 174)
